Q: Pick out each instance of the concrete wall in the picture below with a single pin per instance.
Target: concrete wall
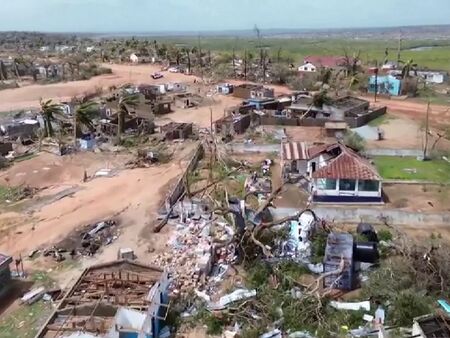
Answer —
(394, 152)
(366, 118)
(278, 121)
(179, 189)
(373, 215)
(312, 122)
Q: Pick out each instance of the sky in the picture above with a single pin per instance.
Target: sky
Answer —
(207, 15)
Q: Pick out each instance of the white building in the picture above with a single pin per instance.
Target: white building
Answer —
(433, 77)
(428, 76)
(334, 173)
(307, 67)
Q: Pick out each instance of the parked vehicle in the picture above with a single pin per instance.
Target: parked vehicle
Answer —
(174, 70)
(156, 76)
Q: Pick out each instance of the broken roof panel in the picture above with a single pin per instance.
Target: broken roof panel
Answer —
(434, 326)
(348, 165)
(294, 151)
(5, 260)
(304, 151)
(99, 293)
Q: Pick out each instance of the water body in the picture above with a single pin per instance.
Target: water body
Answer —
(421, 48)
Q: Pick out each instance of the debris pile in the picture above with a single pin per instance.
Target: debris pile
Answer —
(144, 159)
(201, 249)
(85, 241)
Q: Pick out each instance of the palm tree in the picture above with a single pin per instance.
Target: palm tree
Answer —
(125, 101)
(408, 67)
(187, 51)
(83, 117)
(48, 112)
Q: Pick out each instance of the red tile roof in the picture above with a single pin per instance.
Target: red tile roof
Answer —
(325, 61)
(348, 165)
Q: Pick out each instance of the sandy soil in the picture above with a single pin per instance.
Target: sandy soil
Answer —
(132, 195)
(402, 133)
(439, 115)
(431, 198)
(28, 96)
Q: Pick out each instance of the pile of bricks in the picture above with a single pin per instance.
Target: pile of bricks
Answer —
(190, 259)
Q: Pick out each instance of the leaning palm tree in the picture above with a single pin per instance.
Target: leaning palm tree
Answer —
(48, 112)
(125, 101)
(83, 116)
(408, 67)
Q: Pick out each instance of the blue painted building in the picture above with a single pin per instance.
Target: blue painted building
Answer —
(387, 85)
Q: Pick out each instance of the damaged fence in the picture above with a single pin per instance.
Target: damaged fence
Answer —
(178, 190)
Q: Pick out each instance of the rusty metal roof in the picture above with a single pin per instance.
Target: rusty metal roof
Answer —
(294, 151)
(304, 151)
(348, 165)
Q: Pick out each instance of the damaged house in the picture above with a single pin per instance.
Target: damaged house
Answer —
(139, 118)
(352, 110)
(176, 131)
(112, 300)
(334, 173)
(251, 91)
(25, 129)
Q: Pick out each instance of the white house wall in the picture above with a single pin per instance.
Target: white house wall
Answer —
(337, 192)
(307, 67)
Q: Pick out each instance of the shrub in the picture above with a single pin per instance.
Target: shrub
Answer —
(384, 235)
(354, 141)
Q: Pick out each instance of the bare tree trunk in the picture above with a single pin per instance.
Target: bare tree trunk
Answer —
(234, 63)
(2, 76)
(75, 127)
(245, 65)
(425, 147)
(188, 55)
(16, 70)
(120, 123)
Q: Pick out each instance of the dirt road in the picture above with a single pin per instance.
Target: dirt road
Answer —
(28, 96)
(439, 115)
(132, 195)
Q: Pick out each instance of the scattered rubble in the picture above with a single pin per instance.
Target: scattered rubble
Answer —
(85, 241)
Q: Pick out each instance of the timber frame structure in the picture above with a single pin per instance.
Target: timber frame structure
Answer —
(90, 306)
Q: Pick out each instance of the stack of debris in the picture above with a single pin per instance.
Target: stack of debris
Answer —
(201, 246)
(144, 159)
(86, 241)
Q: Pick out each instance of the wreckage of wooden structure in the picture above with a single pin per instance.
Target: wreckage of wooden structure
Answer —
(110, 300)
(174, 130)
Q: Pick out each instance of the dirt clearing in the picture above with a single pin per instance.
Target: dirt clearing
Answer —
(133, 196)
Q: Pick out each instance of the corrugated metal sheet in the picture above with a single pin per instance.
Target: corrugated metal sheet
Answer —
(295, 151)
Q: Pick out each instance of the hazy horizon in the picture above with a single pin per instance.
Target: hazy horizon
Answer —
(124, 16)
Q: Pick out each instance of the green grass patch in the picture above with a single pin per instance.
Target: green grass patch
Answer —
(409, 168)
(25, 321)
(296, 49)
